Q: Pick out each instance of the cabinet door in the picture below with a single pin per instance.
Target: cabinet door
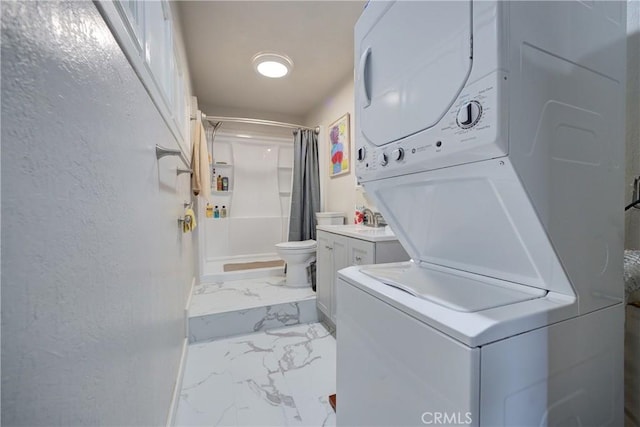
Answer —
(361, 252)
(340, 260)
(324, 272)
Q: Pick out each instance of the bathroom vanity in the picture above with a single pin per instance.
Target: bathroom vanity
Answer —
(341, 246)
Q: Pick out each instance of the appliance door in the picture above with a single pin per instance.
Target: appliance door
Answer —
(413, 63)
(393, 370)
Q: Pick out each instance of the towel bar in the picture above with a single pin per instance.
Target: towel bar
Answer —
(161, 152)
(179, 171)
(186, 219)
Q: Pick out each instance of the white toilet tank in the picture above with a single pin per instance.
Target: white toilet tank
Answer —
(330, 218)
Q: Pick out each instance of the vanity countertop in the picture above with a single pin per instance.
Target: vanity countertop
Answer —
(370, 234)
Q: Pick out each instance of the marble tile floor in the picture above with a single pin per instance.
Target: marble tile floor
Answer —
(223, 309)
(281, 377)
(219, 297)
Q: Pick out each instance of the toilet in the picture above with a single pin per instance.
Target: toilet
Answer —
(298, 256)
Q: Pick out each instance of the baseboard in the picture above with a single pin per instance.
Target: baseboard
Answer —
(327, 322)
(173, 409)
(175, 399)
(186, 308)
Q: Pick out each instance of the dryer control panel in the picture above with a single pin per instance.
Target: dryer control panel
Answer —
(468, 132)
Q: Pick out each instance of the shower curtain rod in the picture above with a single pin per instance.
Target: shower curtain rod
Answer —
(218, 119)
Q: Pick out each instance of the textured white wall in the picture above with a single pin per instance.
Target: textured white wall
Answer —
(632, 217)
(95, 273)
(339, 193)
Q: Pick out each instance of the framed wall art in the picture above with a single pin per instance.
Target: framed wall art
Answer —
(339, 146)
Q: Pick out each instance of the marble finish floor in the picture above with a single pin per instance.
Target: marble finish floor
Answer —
(220, 297)
(281, 377)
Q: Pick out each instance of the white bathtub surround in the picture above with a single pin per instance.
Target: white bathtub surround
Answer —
(218, 275)
(278, 378)
(259, 171)
(230, 308)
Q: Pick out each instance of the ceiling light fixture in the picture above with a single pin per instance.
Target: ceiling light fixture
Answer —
(271, 64)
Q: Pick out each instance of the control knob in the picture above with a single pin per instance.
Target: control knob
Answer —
(469, 114)
(384, 159)
(397, 154)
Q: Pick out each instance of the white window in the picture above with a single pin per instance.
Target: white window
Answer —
(133, 14)
(145, 32)
(159, 45)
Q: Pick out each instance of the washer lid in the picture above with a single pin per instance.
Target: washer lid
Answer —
(453, 289)
(305, 244)
(473, 329)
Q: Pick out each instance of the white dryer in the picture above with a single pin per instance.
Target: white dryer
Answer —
(491, 137)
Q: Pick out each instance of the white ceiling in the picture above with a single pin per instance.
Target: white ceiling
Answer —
(221, 37)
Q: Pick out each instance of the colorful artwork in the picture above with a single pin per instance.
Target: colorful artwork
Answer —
(339, 137)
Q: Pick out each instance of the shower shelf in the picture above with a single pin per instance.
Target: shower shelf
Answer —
(222, 165)
(216, 192)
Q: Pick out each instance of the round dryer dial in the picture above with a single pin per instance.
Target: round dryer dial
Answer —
(469, 114)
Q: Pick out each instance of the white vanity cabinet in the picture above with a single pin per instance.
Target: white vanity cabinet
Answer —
(341, 246)
(331, 255)
(362, 252)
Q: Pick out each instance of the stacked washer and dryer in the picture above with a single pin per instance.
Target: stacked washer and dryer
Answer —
(491, 137)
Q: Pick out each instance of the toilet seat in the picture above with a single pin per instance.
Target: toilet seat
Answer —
(304, 245)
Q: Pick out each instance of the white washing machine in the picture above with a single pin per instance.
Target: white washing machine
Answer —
(491, 137)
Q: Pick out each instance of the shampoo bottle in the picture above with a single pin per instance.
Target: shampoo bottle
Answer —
(225, 183)
(219, 183)
(216, 212)
(223, 212)
(209, 210)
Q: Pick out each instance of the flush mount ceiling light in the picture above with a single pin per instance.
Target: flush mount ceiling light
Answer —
(273, 65)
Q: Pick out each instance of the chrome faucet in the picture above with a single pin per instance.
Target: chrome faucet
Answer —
(373, 219)
(369, 217)
(378, 219)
